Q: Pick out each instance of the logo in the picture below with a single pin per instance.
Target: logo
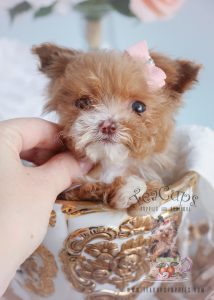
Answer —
(170, 269)
(173, 200)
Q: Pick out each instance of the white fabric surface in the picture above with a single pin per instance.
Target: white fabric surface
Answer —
(196, 152)
(22, 86)
(195, 146)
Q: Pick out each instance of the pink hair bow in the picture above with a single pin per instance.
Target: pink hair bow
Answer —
(155, 76)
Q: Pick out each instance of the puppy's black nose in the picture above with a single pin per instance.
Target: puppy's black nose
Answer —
(108, 127)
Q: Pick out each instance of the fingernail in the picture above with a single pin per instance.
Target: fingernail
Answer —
(85, 165)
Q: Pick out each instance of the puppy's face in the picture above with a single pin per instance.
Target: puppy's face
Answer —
(105, 105)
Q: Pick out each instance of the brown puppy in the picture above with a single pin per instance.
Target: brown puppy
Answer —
(110, 114)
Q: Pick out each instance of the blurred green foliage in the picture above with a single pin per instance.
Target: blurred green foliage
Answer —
(90, 9)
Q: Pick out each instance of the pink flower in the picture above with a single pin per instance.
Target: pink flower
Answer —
(152, 10)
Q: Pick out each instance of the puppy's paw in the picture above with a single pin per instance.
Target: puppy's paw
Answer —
(71, 194)
(129, 193)
(86, 191)
(149, 203)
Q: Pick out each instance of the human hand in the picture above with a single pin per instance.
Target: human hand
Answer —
(27, 194)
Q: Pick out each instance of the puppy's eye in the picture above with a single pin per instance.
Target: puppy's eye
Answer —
(138, 106)
(83, 103)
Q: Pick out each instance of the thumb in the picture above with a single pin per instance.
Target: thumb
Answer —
(62, 169)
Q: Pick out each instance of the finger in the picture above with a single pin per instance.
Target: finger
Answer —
(62, 169)
(27, 133)
(38, 156)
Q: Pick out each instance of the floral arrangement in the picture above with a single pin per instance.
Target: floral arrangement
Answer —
(145, 10)
(94, 10)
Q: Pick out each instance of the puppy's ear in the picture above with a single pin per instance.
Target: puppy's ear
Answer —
(53, 59)
(181, 74)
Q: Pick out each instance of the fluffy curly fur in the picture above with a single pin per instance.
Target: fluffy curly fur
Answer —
(109, 82)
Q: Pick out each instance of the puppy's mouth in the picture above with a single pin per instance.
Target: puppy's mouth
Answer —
(107, 140)
(104, 140)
